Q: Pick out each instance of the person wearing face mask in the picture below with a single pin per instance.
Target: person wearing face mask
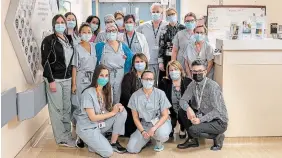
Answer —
(166, 38)
(150, 111)
(199, 49)
(152, 31)
(183, 38)
(206, 116)
(174, 85)
(84, 63)
(134, 40)
(56, 58)
(119, 17)
(99, 115)
(116, 56)
(94, 22)
(102, 37)
(72, 27)
(131, 83)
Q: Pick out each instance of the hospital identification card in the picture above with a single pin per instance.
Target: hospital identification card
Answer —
(155, 121)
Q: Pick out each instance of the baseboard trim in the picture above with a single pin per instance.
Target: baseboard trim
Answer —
(36, 137)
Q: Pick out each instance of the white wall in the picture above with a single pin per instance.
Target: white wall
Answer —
(82, 9)
(199, 7)
(15, 134)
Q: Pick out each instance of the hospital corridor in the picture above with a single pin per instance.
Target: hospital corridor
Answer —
(141, 78)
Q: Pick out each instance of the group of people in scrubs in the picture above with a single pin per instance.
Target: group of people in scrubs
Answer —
(131, 81)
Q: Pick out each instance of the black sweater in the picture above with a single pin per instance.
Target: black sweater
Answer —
(53, 59)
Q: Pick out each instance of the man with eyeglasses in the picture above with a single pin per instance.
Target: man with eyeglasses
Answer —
(206, 116)
(152, 30)
(183, 38)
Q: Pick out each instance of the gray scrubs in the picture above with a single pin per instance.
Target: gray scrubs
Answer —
(85, 64)
(153, 42)
(88, 130)
(76, 40)
(114, 61)
(181, 41)
(205, 54)
(135, 44)
(148, 109)
(59, 102)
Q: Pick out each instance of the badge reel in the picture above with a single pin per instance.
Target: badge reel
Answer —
(155, 121)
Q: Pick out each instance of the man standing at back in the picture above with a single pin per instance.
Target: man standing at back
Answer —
(152, 31)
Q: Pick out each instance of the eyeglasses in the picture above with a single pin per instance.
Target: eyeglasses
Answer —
(148, 79)
(112, 31)
(198, 72)
(189, 20)
(200, 33)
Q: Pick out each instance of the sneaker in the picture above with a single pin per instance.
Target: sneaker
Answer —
(118, 148)
(79, 143)
(159, 146)
(71, 143)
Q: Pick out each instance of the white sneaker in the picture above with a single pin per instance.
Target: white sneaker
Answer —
(70, 143)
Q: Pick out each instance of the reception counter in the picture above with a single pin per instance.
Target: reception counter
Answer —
(250, 74)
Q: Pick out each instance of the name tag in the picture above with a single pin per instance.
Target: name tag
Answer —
(155, 121)
(101, 125)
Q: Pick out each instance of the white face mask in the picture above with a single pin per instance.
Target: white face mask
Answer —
(112, 36)
(86, 37)
(119, 22)
(147, 84)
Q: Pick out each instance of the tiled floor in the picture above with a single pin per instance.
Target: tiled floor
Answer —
(234, 148)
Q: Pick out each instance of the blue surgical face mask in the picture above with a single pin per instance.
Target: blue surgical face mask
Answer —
(156, 16)
(102, 81)
(147, 84)
(129, 27)
(199, 37)
(175, 75)
(86, 37)
(71, 24)
(119, 22)
(140, 66)
(172, 19)
(111, 36)
(190, 25)
(60, 28)
(94, 27)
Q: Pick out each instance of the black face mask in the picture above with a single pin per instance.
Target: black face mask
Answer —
(198, 77)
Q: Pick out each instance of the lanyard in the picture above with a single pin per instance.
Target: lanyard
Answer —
(130, 43)
(199, 99)
(101, 102)
(156, 33)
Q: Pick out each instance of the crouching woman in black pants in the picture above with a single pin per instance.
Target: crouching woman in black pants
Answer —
(174, 85)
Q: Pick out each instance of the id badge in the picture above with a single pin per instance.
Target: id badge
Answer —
(85, 80)
(168, 52)
(101, 125)
(156, 48)
(155, 121)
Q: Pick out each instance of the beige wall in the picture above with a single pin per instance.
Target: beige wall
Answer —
(199, 7)
(15, 134)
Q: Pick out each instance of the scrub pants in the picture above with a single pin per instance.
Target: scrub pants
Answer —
(116, 76)
(137, 141)
(95, 139)
(59, 105)
(207, 130)
(155, 69)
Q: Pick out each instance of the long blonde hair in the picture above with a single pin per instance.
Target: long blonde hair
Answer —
(177, 65)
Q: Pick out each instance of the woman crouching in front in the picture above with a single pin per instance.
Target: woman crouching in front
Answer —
(98, 116)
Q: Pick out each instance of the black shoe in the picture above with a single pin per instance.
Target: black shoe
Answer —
(118, 148)
(218, 142)
(182, 136)
(189, 143)
(171, 134)
(79, 143)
